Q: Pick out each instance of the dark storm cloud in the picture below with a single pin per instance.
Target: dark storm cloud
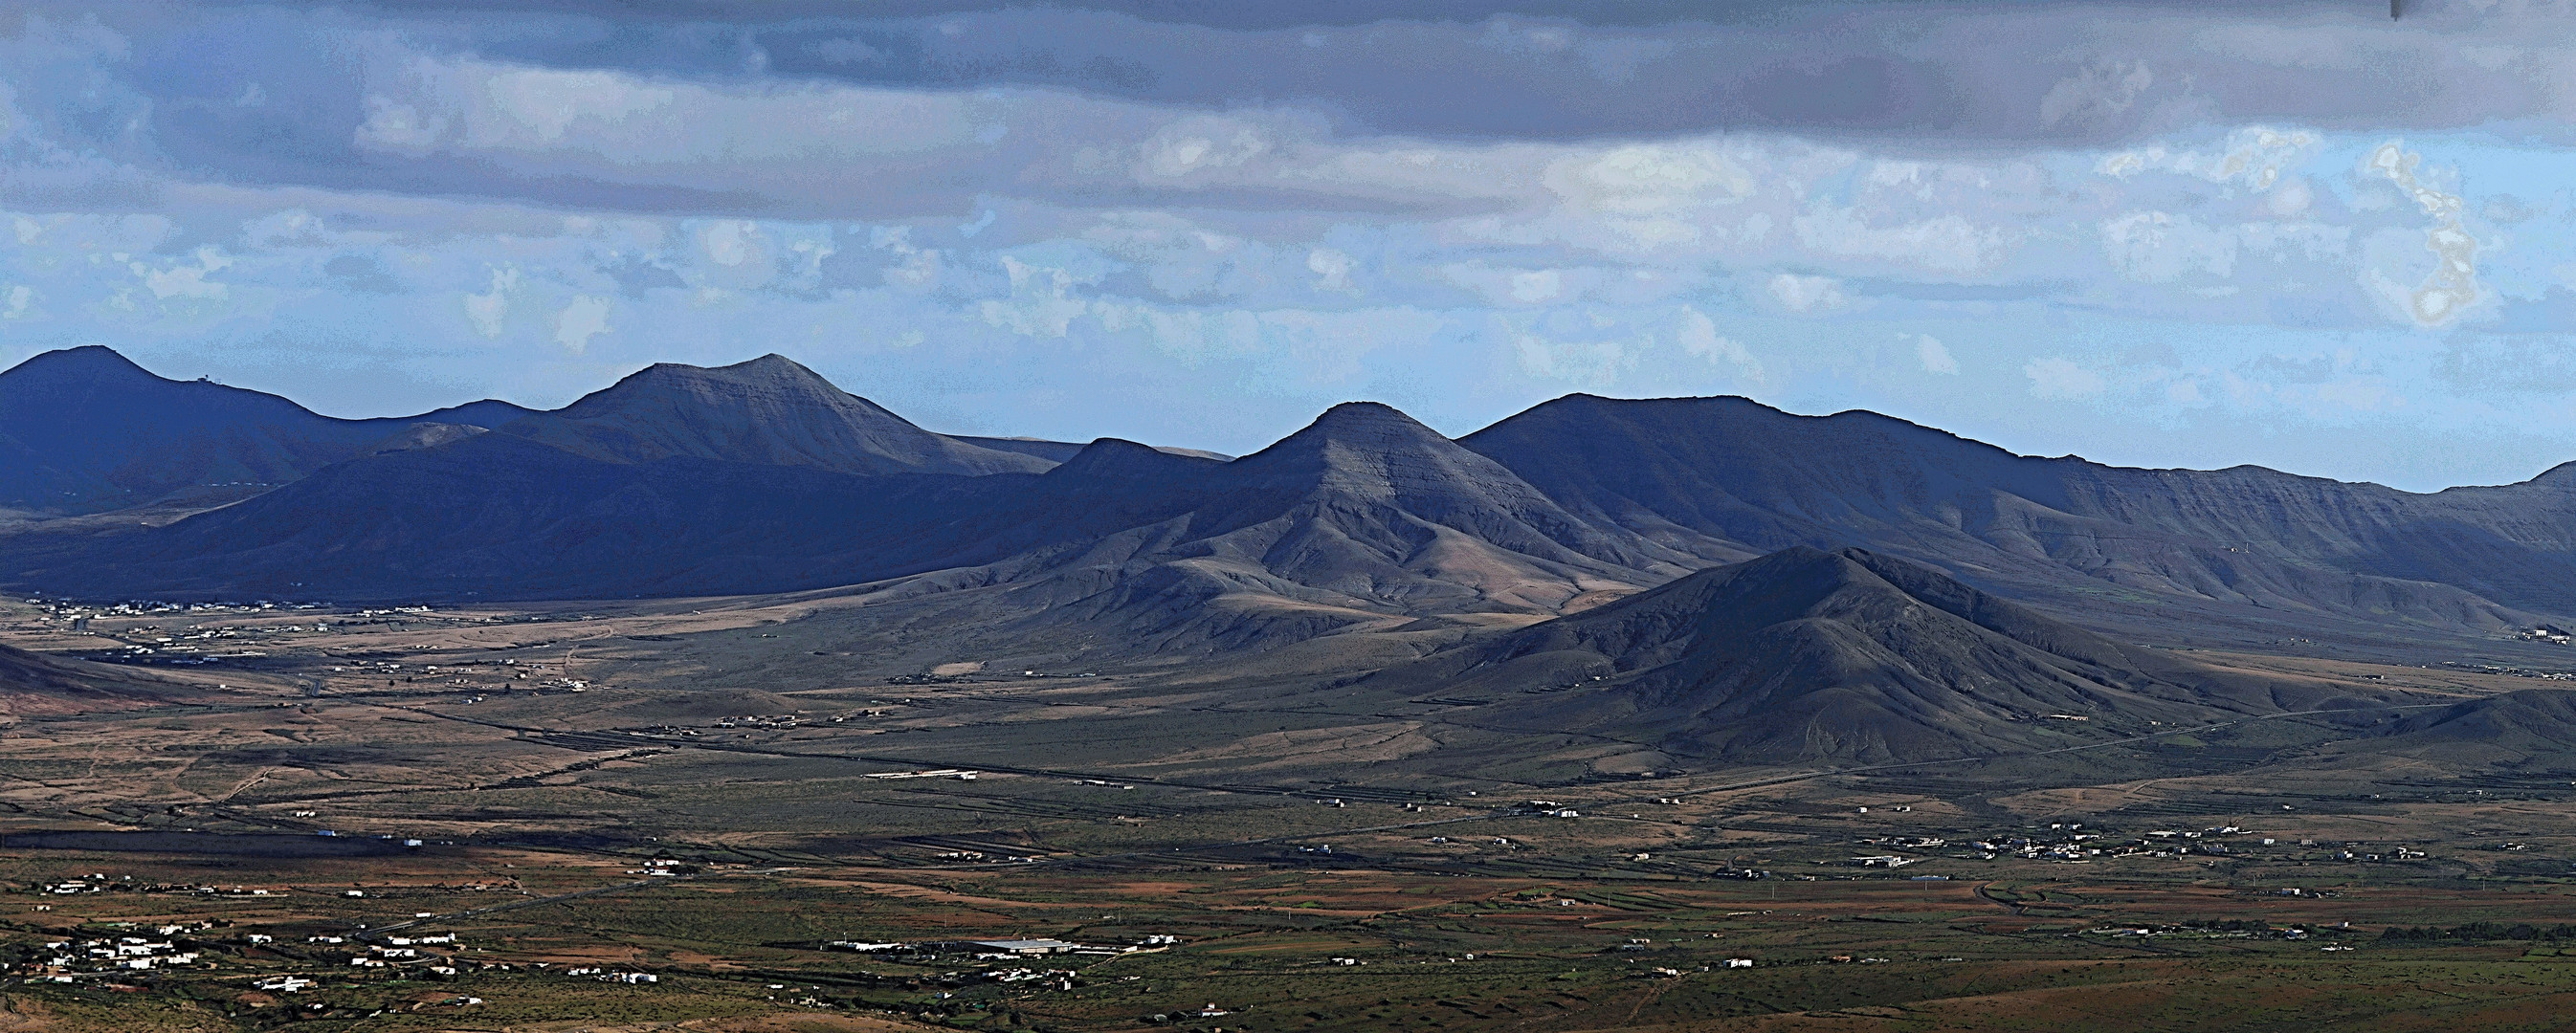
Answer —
(1963, 73)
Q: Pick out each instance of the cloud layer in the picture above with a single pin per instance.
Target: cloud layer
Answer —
(2154, 233)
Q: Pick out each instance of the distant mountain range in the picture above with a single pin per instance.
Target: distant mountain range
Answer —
(763, 477)
(84, 430)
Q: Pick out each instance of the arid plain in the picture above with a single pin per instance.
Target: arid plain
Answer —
(696, 790)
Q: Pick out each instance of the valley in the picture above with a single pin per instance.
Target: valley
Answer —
(1270, 822)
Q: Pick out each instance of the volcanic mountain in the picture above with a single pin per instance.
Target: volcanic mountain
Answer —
(769, 412)
(1807, 656)
(1728, 478)
(676, 480)
(84, 430)
(763, 477)
(1363, 515)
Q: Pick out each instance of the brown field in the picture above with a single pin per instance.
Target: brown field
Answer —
(1113, 806)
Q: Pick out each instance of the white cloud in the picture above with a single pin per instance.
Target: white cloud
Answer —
(731, 241)
(1699, 337)
(2060, 378)
(1806, 293)
(1332, 269)
(186, 281)
(1537, 285)
(20, 297)
(1643, 180)
(1934, 355)
(488, 309)
(918, 268)
(2256, 156)
(586, 317)
(628, 127)
(1200, 144)
(2452, 286)
(396, 126)
(1041, 302)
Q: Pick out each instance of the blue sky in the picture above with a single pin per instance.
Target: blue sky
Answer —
(2299, 235)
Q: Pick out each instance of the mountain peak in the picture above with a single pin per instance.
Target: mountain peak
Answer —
(1121, 459)
(772, 371)
(1365, 426)
(1366, 414)
(770, 410)
(770, 385)
(1365, 439)
(88, 362)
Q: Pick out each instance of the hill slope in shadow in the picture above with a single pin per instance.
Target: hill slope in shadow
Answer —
(84, 430)
(1729, 478)
(1849, 657)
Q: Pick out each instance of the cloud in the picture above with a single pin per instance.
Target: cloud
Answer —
(1806, 293)
(2096, 94)
(2255, 156)
(185, 281)
(584, 318)
(2452, 286)
(1170, 220)
(1332, 269)
(1700, 338)
(1949, 244)
(488, 309)
(2157, 247)
(1202, 144)
(1591, 365)
(2060, 378)
(1041, 302)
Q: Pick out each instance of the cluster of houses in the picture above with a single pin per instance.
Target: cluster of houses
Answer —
(2512, 672)
(606, 976)
(999, 950)
(70, 959)
(2068, 843)
(100, 883)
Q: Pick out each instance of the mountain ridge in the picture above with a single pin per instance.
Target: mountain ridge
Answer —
(763, 477)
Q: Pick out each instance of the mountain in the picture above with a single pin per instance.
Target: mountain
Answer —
(1804, 656)
(2529, 730)
(32, 684)
(83, 430)
(1364, 516)
(768, 411)
(1726, 478)
(1059, 451)
(764, 477)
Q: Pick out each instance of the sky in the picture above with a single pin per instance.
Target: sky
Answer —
(2295, 234)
